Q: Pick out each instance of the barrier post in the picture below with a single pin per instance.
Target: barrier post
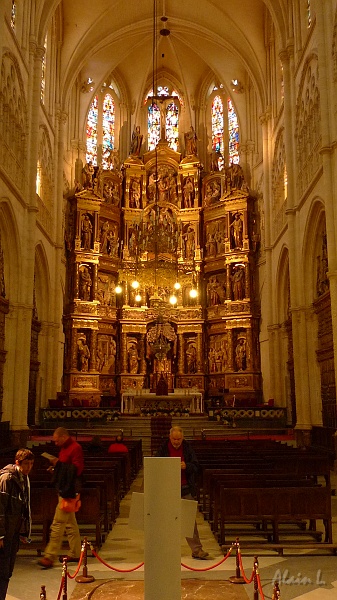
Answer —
(256, 583)
(237, 578)
(65, 579)
(85, 578)
(276, 592)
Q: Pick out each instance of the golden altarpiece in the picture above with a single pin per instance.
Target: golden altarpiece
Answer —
(160, 289)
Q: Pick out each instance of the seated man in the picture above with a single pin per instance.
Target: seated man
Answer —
(117, 445)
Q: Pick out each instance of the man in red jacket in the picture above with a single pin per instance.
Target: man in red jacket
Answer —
(68, 468)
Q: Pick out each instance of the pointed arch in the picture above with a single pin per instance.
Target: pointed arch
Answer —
(10, 241)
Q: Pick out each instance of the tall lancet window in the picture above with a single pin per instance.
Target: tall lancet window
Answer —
(233, 134)
(43, 72)
(163, 105)
(91, 154)
(108, 142)
(218, 130)
(172, 125)
(153, 126)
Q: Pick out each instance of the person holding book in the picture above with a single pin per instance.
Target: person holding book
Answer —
(15, 519)
(67, 470)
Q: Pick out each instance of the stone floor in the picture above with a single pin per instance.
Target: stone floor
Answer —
(308, 575)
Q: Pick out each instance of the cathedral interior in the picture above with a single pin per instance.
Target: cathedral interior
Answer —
(167, 213)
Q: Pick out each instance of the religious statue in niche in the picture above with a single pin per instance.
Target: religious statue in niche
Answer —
(216, 291)
(163, 187)
(236, 228)
(85, 283)
(136, 142)
(135, 193)
(234, 178)
(238, 282)
(173, 194)
(215, 238)
(189, 242)
(218, 354)
(241, 354)
(86, 232)
(191, 142)
(83, 353)
(191, 357)
(133, 357)
(188, 192)
(106, 355)
(106, 289)
(111, 192)
(212, 192)
(104, 237)
(88, 173)
(151, 187)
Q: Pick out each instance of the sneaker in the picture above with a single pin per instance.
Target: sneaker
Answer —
(200, 554)
(45, 562)
(69, 559)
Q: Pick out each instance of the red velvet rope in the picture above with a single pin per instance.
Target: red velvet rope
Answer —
(77, 568)
(212, 566)
(243, 572)
(61, 588)
(114, 568)
(260, 586)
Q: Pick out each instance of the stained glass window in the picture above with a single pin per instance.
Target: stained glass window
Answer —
(91, 155)
(108, 129)
(218, 130)
(172, 122)
(13, 14)
(233, 134)
(153, 126)
(43, 71)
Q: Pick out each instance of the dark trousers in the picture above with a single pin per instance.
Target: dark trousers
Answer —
(7, 560)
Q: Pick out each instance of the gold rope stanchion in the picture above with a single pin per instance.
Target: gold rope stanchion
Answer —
(256, 583)
(276, 592)
(237, 578)
(85, 578)
(65, 579)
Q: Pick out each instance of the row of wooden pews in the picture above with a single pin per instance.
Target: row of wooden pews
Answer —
(265, 491)
(105, 480)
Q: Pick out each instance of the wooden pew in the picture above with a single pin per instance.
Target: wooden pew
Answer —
(275, 505)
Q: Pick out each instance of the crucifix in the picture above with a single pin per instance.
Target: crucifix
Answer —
(163, 104)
